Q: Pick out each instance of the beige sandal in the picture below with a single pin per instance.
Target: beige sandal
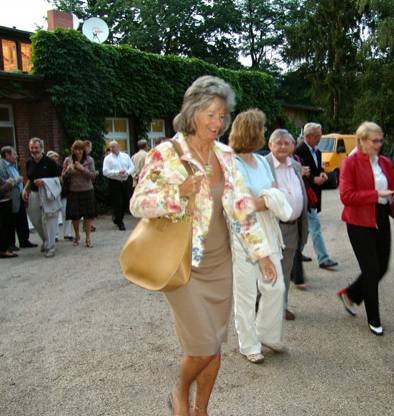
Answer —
(255, 358)
(88, 244)
(76, 241)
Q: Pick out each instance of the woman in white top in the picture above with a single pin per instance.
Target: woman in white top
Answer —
(266, 326)
(366, 190)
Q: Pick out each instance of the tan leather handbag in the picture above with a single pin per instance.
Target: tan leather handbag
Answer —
(158, 253)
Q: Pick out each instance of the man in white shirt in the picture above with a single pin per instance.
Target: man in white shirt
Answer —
(287, 175)
(117, 167)
(138, 159)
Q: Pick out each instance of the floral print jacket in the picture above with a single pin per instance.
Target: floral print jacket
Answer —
(157, 195)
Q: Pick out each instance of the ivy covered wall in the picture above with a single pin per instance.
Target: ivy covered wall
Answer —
(89, 82)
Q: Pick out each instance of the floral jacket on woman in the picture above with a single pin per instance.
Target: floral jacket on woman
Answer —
(157, 194)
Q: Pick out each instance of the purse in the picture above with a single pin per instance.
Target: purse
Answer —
(158, 253)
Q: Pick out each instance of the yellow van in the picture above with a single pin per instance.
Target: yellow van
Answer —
(334, 148)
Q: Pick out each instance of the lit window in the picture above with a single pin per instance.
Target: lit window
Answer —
(117, 129)
(157, 131)
(10, 62)
(26, 57)
(7, 130)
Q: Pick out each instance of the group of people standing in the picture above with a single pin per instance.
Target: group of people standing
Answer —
(250, 223)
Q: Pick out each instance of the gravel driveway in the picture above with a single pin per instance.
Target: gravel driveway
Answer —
(77, 339)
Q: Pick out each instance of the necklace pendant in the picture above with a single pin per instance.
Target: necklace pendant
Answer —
(208, 170)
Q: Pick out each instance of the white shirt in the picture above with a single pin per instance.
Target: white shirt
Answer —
(313, 153)
(113, 164)
(381, 183)
(290, 185)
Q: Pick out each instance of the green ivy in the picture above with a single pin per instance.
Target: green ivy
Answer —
(89, 81)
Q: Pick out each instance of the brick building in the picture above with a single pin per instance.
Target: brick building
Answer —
(25, 108)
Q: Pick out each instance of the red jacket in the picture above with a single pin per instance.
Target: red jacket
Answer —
(357, 189)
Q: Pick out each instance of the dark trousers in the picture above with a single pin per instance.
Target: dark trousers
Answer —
(119, 193)
(20, 225)
(297, 272)
(372, 249)
(5, 225)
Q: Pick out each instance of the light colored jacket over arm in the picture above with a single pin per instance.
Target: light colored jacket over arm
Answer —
(157, 194)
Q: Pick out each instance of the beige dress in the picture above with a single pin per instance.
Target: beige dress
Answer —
(202, 307)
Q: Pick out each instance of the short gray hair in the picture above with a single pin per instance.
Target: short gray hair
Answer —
(37, 140)
(142, 143)
(6, 150)
(199, 96)
(309, 128)
(281, 134)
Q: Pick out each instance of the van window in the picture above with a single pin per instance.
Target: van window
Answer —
(341, 146)
(326, 144)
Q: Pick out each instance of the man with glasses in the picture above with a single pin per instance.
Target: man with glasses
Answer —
(310, 156)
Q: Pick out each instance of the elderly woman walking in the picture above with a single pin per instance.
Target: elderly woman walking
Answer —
(202, 307)
(266, 326)
(368, 202)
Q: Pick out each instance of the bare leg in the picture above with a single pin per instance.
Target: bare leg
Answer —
(205, 382)
(190, 369)
(88, 225)
(76, 231)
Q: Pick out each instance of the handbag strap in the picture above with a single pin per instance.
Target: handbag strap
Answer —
(189, 170)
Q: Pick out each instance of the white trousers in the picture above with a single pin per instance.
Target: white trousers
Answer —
(267, 325)
(46, 227)
(66, 223)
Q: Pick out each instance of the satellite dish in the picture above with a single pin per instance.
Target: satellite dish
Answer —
(75, 22)
(95, 29)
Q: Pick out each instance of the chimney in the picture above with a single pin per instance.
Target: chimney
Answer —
(57, 19)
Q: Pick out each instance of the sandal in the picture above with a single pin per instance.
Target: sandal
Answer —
(8, 255)
(88, 244)
(255, 358)
(197, 409)
(76, 241)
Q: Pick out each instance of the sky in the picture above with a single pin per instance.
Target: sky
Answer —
(24, 14)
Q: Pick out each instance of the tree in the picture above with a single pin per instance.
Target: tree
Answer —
(262, 30)
(325, 39)
(190, 28)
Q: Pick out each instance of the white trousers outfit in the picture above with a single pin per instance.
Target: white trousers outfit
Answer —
(267, 325)
(66, 223)
(45, 226)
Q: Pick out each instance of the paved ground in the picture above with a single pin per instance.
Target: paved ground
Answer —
(78, 339)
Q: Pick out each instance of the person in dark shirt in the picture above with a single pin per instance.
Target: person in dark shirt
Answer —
(38, 167)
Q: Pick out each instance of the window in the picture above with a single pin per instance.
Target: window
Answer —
(26, 57)
(118, 129)
(10, 62)
(157, 131)
(7, 130)
(326, 144)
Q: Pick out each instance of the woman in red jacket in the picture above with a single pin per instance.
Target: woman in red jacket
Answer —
(366, 190)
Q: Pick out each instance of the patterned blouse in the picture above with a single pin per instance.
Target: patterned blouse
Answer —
(157, 195)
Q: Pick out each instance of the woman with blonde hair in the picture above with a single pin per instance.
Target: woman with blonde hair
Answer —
(80, 171)
(223, 207)
(366, 189)
(266, 326)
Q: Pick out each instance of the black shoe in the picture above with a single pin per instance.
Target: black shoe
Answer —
(14, 248)
(69, 238)
(376, 330)
(28, 244)
(328, 264)
(121, 227)
(305, 258)
(93, 228)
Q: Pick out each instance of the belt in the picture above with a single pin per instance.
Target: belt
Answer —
(289, 222)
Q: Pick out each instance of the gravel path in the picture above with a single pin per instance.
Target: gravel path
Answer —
(77, 339)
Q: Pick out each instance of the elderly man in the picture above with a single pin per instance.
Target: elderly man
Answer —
(39, 168)
(287, 175)
(117, 167)
(138, 159)
(19, 223)
(310, 156)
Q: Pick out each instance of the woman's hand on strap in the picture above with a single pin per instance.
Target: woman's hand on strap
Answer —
(191, 186)
(268, 269)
